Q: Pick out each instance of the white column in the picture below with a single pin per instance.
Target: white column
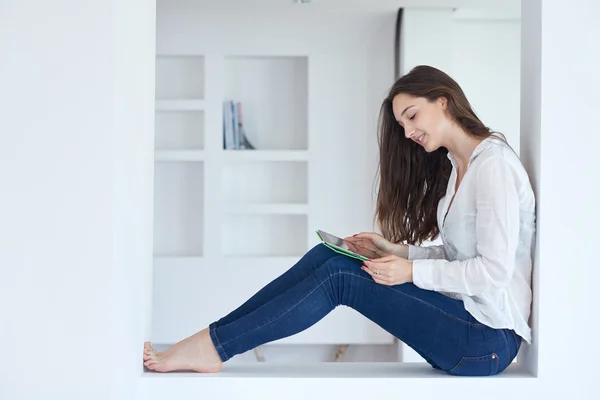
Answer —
(560, 135)
(75, 179)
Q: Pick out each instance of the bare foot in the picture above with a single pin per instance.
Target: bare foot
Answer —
(195, 353)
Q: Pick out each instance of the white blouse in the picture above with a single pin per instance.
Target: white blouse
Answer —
(488, 237)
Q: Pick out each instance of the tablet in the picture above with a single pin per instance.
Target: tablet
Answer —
(338, 245)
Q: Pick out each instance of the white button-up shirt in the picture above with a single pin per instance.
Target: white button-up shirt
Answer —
(488, 235)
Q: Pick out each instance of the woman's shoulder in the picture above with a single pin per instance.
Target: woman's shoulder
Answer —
(499, 154)
(497, 150)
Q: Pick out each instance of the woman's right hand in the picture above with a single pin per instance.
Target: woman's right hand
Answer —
(373, 245)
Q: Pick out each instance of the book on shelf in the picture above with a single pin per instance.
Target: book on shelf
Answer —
(234, 135)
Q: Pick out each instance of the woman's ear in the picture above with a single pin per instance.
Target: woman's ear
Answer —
(443, 103)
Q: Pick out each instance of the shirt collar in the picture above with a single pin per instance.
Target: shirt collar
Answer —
(485, 143)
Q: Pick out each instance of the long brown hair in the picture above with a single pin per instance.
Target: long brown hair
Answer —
(412, 181)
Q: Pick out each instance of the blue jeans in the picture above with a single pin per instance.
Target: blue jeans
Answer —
(434, 325)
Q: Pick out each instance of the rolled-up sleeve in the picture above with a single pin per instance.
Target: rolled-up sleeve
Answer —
(497, 233)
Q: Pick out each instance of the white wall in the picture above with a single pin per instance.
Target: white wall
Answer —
(57, 254)
(75, 171)
(133, 190)
(562, 117)
(480, 49)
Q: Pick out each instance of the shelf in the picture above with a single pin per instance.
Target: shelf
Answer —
(266, 209)
(179, 130)
(178, 261)
(179, 77)
(264, 235)
(265, 182)
(178, 209)
(273, 92)
(265, 155)
(231, 156)
(180, 105)
(179, 155)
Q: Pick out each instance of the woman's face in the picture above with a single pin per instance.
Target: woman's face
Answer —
(427, 123)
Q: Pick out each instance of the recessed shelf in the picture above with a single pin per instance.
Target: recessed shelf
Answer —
(265, 182)
(180, 105)
(179, 155)
(265, 155)
(179, 77)
(179, 130)
(273, 92)
(264, 235)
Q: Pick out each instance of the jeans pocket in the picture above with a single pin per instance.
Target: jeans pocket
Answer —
(477, 366)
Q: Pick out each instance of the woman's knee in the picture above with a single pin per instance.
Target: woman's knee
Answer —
(339, 264)
(319, 254)
(312, 259)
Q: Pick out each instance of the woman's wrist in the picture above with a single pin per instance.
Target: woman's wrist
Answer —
(401, 250)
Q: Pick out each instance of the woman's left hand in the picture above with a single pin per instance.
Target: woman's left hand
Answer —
(389, 270)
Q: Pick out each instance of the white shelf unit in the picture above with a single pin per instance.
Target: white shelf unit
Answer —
(179, 152)
(247, 196)
(222, 215)
(180, 104)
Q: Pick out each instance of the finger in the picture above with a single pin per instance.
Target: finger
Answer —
(351, 246)
(382, 270)
(365, 240)
(368, 271)
(367, 246)
(366, 235)
(381, 280)
(385, 259)
(362, 250)
(367, 253)
(376, 275)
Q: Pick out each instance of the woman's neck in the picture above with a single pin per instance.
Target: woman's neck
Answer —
(461, 145)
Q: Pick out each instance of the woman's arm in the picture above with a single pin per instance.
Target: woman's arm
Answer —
(497, 233)
(425, 252)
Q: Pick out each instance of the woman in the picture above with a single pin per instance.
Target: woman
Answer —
(464, 305)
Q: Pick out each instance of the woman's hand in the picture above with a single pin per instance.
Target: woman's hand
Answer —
(389, 270)
(373, 245)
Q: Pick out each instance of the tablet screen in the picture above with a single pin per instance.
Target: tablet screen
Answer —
(329, 238)
(337, 244)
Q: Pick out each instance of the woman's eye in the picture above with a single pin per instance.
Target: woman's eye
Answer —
(413, 117)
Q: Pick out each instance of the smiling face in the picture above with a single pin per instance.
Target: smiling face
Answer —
(425, 122)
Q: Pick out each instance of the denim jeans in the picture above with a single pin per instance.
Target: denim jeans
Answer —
(434, 325)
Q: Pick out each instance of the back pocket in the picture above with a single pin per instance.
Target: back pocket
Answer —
(477, 366)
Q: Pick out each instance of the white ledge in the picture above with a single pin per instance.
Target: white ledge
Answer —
(332, 370)
(333, 381)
